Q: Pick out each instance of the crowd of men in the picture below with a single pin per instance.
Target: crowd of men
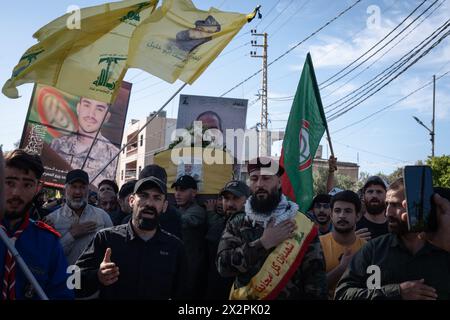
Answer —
(250, 242)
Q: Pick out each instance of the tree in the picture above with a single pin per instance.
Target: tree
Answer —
(441, 170)
(398, 173)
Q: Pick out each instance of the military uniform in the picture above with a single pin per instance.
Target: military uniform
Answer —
(39, 247)
(102, 152)
(237, 257)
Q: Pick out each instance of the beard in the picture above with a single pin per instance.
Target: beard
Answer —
(343, 227)
(76, 204)
(397, 226)
(17, 214)
(147, 224)
(322, 219)
(375, 208)
(267, 205)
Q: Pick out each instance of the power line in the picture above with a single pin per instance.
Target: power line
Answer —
(294, 47)
(323, 86)
(344, 111)
(270, 11)
(370, 152)
(389, 70)
(277, 16)
(289, 19)
(149, 86)
(348, 108)
(221, 4)
(332, 50)
(386, 52)
(391, 105)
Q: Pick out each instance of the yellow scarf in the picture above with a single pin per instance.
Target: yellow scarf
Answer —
(280, 265)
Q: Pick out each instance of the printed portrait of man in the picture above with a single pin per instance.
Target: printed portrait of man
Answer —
(210, 120)
(74, 147)
(189, 40)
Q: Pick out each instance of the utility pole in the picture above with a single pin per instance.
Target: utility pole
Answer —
(433, 132)
(264, 149)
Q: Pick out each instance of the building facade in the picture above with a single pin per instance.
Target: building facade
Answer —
(142, 148)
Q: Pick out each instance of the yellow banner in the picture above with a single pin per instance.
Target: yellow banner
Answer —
(179, 41)
(211, 168)
(89, 61)
(279, 266)
(176, 41)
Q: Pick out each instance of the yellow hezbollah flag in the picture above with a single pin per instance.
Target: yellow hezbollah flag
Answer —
(178, 41)
(89, 61)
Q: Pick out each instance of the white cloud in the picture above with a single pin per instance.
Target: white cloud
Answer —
(338, 51)
(421, 102)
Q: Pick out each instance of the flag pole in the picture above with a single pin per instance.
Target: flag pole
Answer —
(140, 130)
(329, 141)
(96, 137)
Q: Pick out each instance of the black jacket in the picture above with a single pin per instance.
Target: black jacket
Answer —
(152, 269)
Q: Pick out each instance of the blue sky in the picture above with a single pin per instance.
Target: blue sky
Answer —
(382, 143)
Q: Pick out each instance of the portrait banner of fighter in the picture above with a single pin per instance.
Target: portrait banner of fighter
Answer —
(215, 113)
(71, 132)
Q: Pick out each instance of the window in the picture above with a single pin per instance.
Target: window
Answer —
(121, 175)
(142, 140)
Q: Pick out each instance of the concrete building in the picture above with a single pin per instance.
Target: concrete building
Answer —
(154, 138)
(345, 168)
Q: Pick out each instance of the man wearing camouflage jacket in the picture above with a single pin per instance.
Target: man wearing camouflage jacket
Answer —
(272, 249)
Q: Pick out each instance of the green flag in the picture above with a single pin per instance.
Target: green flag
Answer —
(304, 131)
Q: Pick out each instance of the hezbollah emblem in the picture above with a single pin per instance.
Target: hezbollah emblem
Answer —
(25, 61)
(134, 15)
(304, 149)
(103, 79)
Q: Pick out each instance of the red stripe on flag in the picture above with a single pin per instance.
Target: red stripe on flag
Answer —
(286, 185)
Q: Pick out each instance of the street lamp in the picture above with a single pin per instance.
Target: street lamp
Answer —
(431, 134)
(432, 130)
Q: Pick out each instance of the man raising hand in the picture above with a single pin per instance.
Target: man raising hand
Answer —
(108, 273)
(152, 261)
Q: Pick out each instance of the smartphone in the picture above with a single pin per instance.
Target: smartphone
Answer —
(419, 191)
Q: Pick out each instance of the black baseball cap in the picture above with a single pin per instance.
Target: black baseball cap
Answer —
(127, 189)
(237, 188)
(186, 182)
(77, 175)
(269, 164)
(110, 183)
(155, 171)
(150, 182)
(376, 180)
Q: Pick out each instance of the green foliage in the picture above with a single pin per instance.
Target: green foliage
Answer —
(341, 181)
(441, 170)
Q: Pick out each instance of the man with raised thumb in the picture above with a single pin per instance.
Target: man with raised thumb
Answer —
(108, 273)
(151, 260)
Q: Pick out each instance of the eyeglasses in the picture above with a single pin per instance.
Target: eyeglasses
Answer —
(322, 205)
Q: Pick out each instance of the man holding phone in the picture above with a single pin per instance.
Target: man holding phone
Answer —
(407, 266)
